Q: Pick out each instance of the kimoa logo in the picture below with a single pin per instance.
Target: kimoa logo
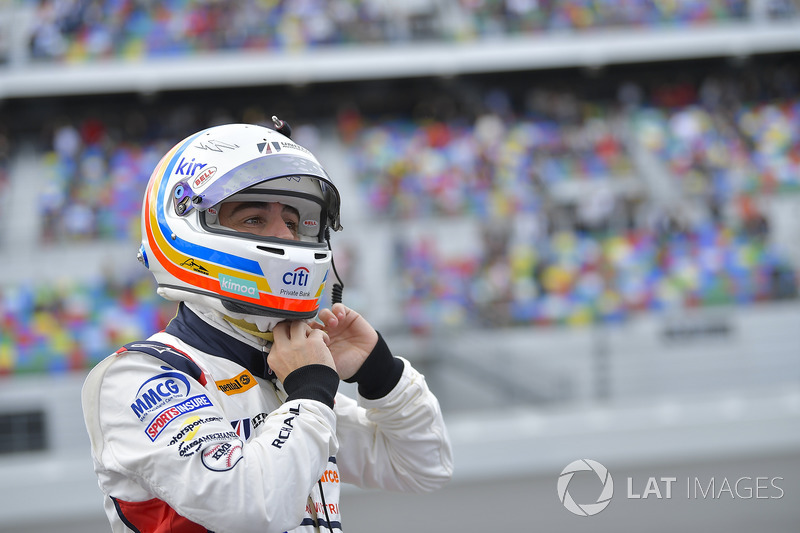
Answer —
(586, 509)
(238, 286)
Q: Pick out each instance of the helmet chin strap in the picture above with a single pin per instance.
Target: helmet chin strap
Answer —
(254, 329)
(257, 326)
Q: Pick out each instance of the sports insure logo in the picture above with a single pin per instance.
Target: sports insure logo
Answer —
(165, 417)
(585, 509)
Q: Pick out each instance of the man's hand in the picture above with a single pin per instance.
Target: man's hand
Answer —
(297, 344)
(352, 338)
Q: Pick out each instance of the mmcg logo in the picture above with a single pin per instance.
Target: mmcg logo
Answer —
(157, 390)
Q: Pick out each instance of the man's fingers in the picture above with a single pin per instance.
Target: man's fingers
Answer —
(299, 329)
(334, 317)
(316, 325)
(325, 316)
(281, 331)
(322, 334)
(339, 310)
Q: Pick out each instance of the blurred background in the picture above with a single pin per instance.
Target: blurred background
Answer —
(579, 218)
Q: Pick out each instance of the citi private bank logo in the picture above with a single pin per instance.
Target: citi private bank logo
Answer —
(585, 509)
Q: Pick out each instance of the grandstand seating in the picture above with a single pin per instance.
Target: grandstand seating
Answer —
(585, 242)
(79, 31)
(492, 168)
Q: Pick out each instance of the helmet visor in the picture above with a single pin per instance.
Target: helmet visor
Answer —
(287, 175)
(305, 211)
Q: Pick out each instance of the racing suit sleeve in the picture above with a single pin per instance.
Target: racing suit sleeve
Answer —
(164, 434)
(393, 437)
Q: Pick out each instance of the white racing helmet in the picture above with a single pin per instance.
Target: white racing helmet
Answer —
(195, 259)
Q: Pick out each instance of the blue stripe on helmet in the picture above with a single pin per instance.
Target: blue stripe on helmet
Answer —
(186, 247)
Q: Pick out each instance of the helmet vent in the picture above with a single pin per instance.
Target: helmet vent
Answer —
(321, 256)
(271, 250)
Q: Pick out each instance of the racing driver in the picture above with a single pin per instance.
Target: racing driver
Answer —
(229, 420)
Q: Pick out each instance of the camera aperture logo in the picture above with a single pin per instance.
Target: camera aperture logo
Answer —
(585, 509)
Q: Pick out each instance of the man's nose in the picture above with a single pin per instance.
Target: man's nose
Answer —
(277, 228)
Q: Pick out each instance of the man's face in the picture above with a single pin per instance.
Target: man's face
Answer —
(266, 219)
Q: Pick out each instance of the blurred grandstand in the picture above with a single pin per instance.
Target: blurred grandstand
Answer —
(603, 196)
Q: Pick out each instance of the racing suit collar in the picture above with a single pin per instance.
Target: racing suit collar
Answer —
(203, 330)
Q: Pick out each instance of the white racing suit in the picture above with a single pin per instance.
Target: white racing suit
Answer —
(191, 432)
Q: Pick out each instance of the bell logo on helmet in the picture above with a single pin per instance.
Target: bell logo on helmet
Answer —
(238, 286)
(203, 177)
(299, 276)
